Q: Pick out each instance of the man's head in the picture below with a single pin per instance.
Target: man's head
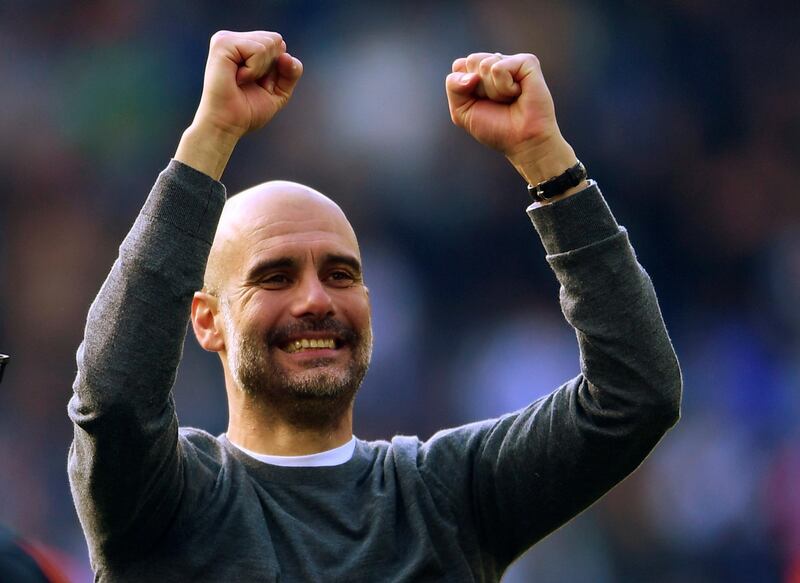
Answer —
(284, 303)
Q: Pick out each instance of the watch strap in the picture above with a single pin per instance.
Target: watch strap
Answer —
(552, 187)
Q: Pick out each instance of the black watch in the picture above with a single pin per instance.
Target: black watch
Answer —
(558, 184)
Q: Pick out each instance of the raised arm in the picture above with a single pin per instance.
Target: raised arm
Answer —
(249, 77)
(532, 470)
(503, 102)
(125, 463)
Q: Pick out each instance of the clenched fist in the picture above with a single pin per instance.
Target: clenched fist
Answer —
(249, 77)
(504, 103)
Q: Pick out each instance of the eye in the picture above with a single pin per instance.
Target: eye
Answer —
(275, 281)
(341, 278)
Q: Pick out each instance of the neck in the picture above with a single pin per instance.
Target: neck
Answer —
(263, 428)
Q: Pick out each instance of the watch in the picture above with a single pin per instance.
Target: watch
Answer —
(560, 184)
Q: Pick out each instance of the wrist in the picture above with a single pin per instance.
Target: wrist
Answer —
(540, 161)
(206, 149)
(545, 160)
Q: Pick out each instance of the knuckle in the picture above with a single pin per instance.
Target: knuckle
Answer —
(271, 39)
(219, 36)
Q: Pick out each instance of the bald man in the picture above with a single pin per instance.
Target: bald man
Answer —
(273, 283)
(291, 381)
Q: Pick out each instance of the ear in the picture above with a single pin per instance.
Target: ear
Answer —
(205, 310)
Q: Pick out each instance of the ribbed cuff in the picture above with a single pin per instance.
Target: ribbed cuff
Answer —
(187, 199)
(574, 222)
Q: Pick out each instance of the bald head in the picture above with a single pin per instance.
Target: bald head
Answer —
(270, 217)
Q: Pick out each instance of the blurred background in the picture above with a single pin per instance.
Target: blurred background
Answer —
(686, 112)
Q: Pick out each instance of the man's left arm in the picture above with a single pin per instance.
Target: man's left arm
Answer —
(535, 469)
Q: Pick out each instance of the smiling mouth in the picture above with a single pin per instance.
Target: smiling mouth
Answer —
(307, 344)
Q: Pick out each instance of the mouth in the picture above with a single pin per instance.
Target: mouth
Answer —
(311, 344)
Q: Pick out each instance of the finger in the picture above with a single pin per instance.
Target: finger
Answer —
(487, 86)
(503, 81)
(485, 65)
(289, 70)
(519, 66)
(269, 80)
(252, 52)
(460, 88)
(266, 38)
(460, 65)
(273, 42)
(225, 41)
(474, 61)
(253, 58)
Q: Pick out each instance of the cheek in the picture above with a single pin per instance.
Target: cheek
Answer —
(357, 311)
(262, 312)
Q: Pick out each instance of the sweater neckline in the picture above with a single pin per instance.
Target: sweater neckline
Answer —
(332, 457)
(359, 464)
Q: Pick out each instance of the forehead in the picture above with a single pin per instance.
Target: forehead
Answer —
(297, 237)
(292, 222)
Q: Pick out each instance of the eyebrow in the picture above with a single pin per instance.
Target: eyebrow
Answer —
(347, 260)
(268, 265)
(263, 267)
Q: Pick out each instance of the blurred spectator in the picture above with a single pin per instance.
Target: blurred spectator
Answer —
(24, 562)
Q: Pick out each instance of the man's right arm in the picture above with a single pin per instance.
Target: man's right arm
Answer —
(249, 78)
(125, 462)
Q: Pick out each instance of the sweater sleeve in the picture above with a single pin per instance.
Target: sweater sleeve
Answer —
(516, 479)
(124, 463)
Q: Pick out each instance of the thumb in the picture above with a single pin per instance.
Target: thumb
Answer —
(460, 87)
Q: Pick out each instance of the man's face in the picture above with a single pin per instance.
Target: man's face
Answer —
(295, 307)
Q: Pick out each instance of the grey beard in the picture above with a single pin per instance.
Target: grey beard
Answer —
(311, 399)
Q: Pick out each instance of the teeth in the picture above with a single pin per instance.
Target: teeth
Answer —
(306, 343)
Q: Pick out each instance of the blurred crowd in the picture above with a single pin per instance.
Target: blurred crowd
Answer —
(686, 112)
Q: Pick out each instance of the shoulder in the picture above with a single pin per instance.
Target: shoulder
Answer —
(462, 442)
(200, 440)
(446, 452)
(210, 470)
(204, 454)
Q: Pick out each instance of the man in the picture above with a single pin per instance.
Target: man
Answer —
(288, 494)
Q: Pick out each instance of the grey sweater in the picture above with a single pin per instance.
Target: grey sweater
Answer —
(163, 503)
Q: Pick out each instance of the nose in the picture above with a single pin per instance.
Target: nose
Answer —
(312, 299)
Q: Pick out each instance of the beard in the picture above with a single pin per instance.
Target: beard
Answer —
(314, 398)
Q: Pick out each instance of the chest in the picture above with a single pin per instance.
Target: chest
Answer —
(391, 529)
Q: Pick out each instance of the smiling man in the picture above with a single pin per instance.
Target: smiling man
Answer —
(285, 306)
(272, 281)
